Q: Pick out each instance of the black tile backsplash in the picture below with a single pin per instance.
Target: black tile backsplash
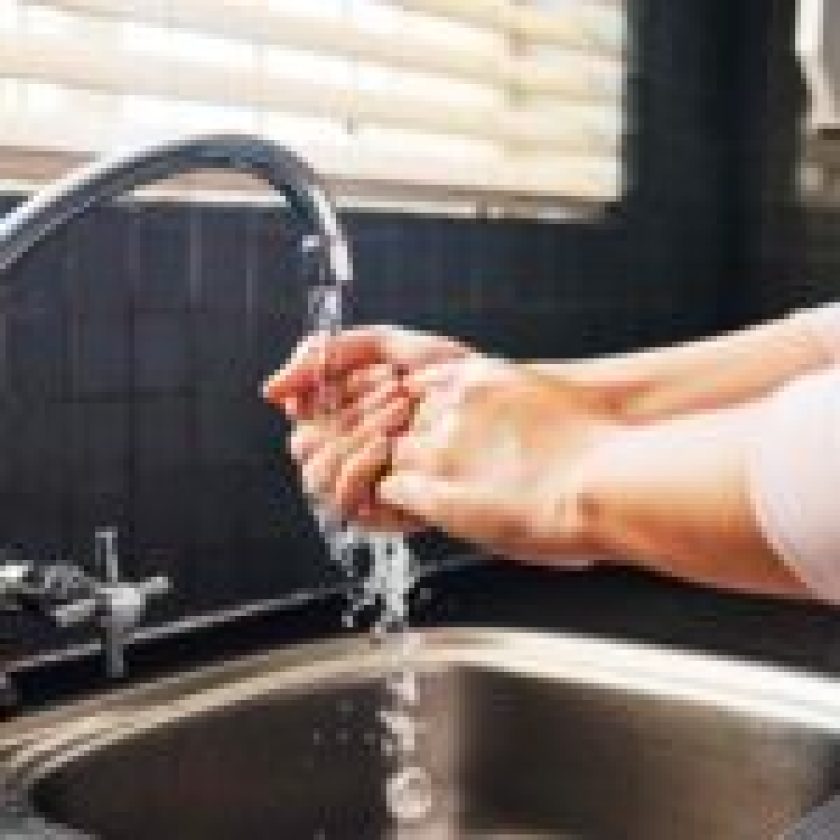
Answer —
(136, 339)
(791, 246)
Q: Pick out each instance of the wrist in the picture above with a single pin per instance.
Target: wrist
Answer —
(577, 506)
(611, 399)
(596, 488)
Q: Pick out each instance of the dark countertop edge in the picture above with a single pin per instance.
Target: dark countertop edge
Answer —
(465, 591)
(55, 677)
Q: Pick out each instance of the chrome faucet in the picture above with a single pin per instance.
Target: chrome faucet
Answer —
(68, 596)
(116, 606)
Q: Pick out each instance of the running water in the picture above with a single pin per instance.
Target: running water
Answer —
(379, 570)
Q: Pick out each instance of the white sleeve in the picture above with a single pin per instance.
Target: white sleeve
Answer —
(824, 322)
(793, 469)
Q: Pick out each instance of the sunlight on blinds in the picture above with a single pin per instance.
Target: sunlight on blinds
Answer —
(519, 97)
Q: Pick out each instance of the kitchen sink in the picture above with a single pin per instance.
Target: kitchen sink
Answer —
(527, 735)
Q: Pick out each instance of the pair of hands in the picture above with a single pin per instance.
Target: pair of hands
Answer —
(428, 433)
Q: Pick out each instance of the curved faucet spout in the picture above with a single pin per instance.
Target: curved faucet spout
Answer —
(112, 177)
(115, 605)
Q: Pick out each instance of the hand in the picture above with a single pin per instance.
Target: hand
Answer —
(353, 364)
(494, 456)
(343, 453)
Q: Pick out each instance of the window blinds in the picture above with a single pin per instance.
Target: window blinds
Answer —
(511, 97)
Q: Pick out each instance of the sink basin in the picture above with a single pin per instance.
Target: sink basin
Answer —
(527, 736)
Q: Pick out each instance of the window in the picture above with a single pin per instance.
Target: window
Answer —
(511, 97)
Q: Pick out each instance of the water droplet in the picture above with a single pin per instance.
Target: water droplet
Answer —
(403, 687)
(403, 729)
(409, 794)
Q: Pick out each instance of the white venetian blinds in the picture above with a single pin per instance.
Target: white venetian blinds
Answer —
(522, 97)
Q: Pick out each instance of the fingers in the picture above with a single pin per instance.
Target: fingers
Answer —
(307, 437)
(415, 451)
(324, 464)
(453, 372)
(305, 440)
(460, 511)
(367, 390)
(378, 517)
(358, 475)
(337, 356)
(356, 480)
(361, 382)
(318, 356)
(434, 377)
(368, 394)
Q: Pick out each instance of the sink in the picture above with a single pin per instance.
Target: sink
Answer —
(527, 735)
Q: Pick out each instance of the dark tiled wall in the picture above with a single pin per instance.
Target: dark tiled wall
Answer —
(135, 340)
(791, 247)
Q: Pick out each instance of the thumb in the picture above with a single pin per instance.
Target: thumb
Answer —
(460, 510)
(409, 492)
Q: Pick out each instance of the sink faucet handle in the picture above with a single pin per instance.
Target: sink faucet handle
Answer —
(14, 572)
(107, 558)
(154, 587)
(125, 604)
(75, 613)
(113, 587)
(60, 593)
(122, 603)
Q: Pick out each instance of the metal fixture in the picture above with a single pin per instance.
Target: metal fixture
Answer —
(533, 736)
(125, 603)
(114, 177)
(116, 606)
(68, 596)
(818, 49)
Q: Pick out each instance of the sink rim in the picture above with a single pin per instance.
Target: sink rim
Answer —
(34, 747)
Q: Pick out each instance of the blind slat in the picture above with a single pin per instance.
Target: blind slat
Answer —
(594, 26)
(253, 22)
(52, 60)
(498, 96)
(584, 177)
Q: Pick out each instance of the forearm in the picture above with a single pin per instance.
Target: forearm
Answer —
(672, 497)
(709, 374)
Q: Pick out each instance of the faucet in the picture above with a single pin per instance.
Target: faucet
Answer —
(68, 596)
(115, 607)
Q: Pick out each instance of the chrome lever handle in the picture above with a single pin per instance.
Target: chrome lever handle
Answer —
(75, 613)
(107, 558)
(122, 603)
(13, 576)
(155, 587)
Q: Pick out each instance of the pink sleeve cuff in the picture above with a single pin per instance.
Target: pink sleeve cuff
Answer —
(824, 322)
(793, 473)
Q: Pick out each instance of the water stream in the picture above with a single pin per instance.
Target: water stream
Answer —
(378, 568)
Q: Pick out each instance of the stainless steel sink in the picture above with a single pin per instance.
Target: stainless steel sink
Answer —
(528, 736)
